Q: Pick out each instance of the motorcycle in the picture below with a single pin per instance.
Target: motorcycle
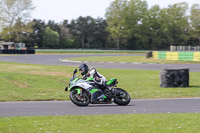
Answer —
(85, 91)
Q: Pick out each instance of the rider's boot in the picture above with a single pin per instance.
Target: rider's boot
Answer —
(101, 98)
(107, 91)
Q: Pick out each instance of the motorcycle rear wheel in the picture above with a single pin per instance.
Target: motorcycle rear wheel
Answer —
(79, 100)
(122, 98)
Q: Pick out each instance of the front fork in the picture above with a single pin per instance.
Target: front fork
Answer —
(80, 92)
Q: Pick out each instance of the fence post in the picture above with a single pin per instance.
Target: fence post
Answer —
(189, 48)
(195, 48)
(178, 48)
(198, 48)
(183, 48)
(171, 48)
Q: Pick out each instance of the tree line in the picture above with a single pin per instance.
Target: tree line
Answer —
(128, 24)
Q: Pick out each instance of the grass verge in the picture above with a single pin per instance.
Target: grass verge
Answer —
(42, 82)
(140, 59)
(134, 123)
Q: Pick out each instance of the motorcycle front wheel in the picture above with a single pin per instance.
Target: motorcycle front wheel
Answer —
(79, 99)
(122, 97)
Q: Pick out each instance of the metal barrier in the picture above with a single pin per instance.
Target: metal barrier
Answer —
(184, 48)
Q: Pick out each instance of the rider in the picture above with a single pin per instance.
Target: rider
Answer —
(92, 72)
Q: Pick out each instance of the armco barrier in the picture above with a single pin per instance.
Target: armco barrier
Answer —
(196, 56)
(187, 56)
(172, 55)
(155, 54)
(15, 51)
(161, 55)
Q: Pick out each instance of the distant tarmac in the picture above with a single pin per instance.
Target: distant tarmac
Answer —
(54, 59)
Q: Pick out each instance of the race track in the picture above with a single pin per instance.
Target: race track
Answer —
(142, 106)
(54, 60)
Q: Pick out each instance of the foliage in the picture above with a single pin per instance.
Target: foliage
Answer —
(129, 24)
(20, 32)
(13, 17)
(50, 38)
(114, 16)
(89, 31)
(35, 38)
(195, 20)
(147, 29)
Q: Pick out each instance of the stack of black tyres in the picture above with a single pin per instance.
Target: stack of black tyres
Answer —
(15, 51)
(174, 77)
(149, 54)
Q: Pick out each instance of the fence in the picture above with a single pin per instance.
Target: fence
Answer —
(15, 51)
(184, 48)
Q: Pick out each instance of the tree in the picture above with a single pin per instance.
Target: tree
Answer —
(124, 19)
(50, 38)
(150, 31)
(99, 36)
(164, 27)
(12, 11)
(115, 20)
(35, 38)
(66, 39)
(53, 25)
(195, 21)
(20, 32)
(1, 19)
(81, 28)
(175, 24)
(134, 19)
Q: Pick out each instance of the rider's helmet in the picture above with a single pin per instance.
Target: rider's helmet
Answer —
(83, 68)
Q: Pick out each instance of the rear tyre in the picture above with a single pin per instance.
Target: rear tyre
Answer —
(79, 100)
(122, 97)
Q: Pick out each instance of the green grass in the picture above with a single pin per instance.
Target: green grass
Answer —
(33, 82)
(139, 59)
(134, 123)
(42, 82)
(87, 51)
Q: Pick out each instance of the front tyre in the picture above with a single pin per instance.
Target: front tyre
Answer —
(122, 97)
(79, 99)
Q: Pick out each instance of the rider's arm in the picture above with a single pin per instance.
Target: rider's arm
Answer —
(95, 75)
(90, 75)
(92, 72)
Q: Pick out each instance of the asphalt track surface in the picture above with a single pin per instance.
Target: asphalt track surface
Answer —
(54, 60)
(142, 106)
(8, 109)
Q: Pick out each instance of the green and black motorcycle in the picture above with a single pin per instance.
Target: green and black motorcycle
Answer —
(83, 92)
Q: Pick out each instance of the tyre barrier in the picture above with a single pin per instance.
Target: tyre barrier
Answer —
(15, 51)
(184, 56)
(174, 77)
(149, 54)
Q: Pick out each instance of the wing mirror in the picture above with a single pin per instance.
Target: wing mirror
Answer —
(75, 71)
